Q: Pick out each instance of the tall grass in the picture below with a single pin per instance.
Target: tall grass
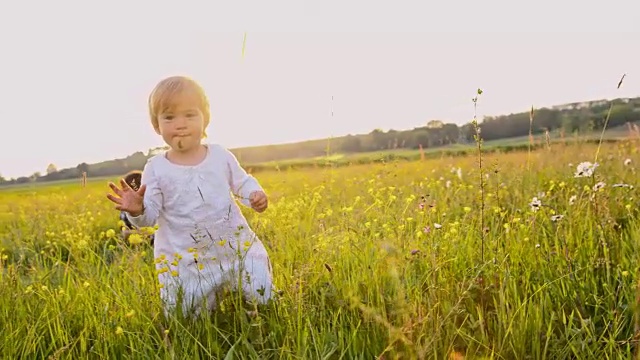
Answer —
(371, 261)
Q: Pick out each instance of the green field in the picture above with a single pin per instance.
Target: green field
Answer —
(514, 144)
(398, 259)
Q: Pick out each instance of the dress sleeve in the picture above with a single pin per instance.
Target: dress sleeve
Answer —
(152, 199)
(241, 183)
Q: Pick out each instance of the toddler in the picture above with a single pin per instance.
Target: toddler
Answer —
(203, 241)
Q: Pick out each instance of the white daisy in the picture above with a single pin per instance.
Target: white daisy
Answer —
(585, 169)
(535, 204)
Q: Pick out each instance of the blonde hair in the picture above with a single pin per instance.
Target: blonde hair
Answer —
(164, 95)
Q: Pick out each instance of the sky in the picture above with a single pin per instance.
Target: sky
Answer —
(75, 76)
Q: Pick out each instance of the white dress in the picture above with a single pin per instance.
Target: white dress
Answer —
(203, 241)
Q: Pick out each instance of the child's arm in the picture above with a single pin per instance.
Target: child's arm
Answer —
(241, 183)
(152, 201)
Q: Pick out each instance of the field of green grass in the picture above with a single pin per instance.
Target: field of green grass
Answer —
(506, 145)
(432, 259)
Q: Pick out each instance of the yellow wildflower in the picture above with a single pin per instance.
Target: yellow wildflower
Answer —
(135, 239)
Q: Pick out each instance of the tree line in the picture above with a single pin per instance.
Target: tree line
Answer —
(581, 117)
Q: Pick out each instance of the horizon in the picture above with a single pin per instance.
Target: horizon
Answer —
(84, 92)
(328, 138)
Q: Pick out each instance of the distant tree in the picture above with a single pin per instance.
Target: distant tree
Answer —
(379, 139)
(435, 124)
(351, 144)
(51, 169)
(450, 133)
(84, 167)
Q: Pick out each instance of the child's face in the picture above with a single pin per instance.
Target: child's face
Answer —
(182, 125)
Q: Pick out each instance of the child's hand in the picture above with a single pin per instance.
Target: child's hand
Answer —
(258, 200)
(129, 200)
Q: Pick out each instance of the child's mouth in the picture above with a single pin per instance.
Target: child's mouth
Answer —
(179, 139)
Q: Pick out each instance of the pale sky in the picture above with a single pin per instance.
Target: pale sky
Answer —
(74, 77)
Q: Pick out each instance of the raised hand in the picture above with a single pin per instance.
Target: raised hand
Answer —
(128, 199)
(259, 201)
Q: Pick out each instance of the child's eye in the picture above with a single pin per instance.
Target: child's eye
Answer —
(168, 117)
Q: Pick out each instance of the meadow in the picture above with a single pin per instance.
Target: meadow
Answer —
(520, 257)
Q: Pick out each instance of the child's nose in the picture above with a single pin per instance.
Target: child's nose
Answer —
(181, 123)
